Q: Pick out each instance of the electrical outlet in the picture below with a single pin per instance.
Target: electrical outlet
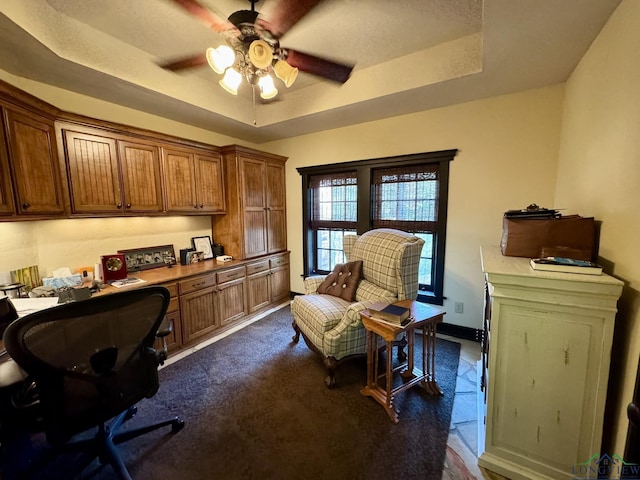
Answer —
(459, 307)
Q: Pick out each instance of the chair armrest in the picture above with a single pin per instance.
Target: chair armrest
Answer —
(311, 284)
(166, 327)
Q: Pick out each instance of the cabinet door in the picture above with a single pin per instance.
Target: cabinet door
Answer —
(33, 157)
(92, 166)
(198, 312)
(210, 188)
(276, 212)
(6, 194)
(140, 165)
(180, 180)
(279, 280)
(231, 301)
(174, 339)
(255, 208)
(259, 290)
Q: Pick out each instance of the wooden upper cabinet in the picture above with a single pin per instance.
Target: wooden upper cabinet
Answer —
(252, 173)
(194, 181)
(94, 177)
(255, 223)
(140, 164)
(108, 175)
(210, 183)
(6, 193)
(276, 208)
(33, 163)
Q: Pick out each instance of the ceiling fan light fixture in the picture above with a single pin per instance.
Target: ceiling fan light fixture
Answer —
(220, 58)
(260, 54)
(267, 89)
(231, 81)
(285, 72)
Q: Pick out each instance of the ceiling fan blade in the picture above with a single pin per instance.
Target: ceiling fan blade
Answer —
(286, 14)
(338, 72)
(206, 16)
(183, 63)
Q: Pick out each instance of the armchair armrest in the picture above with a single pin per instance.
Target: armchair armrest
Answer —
(311, 284)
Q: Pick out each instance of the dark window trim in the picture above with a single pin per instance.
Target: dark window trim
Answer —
(365, 198)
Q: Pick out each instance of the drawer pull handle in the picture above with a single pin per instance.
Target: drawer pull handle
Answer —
(199, 284)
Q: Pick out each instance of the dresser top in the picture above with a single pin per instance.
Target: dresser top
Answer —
(494, 263)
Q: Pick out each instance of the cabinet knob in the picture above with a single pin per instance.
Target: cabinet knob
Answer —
(128, 205)
(195, 206)
(26, 205)
(119, 205)
(201, 205)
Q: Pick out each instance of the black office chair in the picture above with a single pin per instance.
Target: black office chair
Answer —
(91, 362)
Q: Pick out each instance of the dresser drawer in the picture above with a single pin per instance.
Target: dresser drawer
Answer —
(279, 260)
(257, 267)
(229, 275)
(174, 305)
(197, 283)
(172, 287)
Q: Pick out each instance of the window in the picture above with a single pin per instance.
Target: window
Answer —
(407, 192)
(334, 202)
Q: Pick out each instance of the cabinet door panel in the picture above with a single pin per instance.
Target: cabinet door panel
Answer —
(180, 179)
(92, 164)
(210, 187)
(259, 292)
(280, 288)
(6, 194)
(255, 239)
(35, 164)
(198, 314)
(276, 212)
(276, 231)
(141, 177)
(231, 301)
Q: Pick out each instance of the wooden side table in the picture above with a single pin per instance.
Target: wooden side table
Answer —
(426, 317)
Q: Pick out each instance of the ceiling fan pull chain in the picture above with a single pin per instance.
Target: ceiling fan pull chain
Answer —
(253, 92)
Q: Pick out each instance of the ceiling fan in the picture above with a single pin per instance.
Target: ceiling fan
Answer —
(253, 48)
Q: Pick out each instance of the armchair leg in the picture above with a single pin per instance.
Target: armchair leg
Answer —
(296, 336)
(330, 363)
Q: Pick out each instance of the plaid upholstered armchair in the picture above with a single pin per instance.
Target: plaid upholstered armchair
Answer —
(331, 324)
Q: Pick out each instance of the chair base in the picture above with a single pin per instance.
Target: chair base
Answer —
(102, 445)
(330, 362)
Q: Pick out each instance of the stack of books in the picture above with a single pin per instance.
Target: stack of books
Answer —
(566, 265)
(392, 314)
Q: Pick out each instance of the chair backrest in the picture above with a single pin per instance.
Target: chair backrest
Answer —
(90, 360)
(390, 259)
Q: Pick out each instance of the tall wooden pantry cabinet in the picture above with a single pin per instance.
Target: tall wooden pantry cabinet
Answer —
(255, 222)
(548, 338)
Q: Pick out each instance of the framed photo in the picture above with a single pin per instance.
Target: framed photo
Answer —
(149, 257)
(204, 245)
(195, 257)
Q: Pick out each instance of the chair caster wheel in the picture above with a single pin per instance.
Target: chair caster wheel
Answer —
(177, 425)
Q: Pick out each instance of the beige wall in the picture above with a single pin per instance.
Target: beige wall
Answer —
(599, 172)
(507, 159)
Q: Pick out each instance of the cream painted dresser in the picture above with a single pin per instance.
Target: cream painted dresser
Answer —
(545, 367)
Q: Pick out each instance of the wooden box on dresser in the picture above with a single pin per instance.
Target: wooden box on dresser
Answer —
(548, 338)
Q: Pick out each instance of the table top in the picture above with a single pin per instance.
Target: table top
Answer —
(421, 312)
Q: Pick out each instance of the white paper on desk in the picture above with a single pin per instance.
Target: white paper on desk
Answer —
(25, 306)
(127, 282)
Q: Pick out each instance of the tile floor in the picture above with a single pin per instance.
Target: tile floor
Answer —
(462, 447)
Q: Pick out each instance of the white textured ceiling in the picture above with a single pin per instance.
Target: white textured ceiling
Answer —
(410, 55)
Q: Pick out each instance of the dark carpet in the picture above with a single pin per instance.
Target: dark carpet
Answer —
(256, 407)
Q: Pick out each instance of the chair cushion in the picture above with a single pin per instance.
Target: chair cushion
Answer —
(343, 281)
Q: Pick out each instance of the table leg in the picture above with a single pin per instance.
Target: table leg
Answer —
(429, 363)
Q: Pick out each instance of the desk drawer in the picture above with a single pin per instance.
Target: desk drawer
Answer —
(231, 274)
(197, 283)
(257, 267)
(279, 260)
(174, 305)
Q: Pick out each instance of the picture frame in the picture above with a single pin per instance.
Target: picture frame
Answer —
(194, 257)
(146, 258)
(203, 244)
